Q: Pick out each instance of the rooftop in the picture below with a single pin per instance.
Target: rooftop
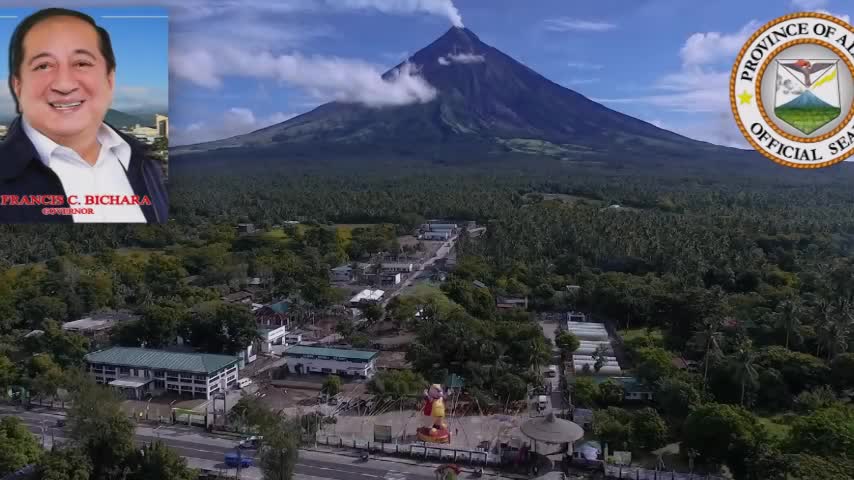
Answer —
(345, 353)
(161, 359)
(281, 306)
(370, 295)
(88, 324)
(237, 296)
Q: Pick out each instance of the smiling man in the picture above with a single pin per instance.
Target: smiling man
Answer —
(62, 73)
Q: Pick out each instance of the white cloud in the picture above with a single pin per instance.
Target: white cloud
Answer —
(567, 24)
(328, 78)
(234, 121)
(190, 10)
(710, 47)
(692, 90)
(443, 8)
(818, 6)
(700, 88)
(584, 66)
(463, 58)
(131, 98)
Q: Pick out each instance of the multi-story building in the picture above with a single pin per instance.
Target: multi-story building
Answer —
(343, 274)
(137, 371)
(162, 123)
(397, 267)
(341, 361)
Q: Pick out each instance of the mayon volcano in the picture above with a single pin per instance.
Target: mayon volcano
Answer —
(482, 97)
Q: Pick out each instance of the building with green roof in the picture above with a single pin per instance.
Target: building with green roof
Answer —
(304, 359)
(137, 371)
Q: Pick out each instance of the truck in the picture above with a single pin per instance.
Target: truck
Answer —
(236, 459)
(542, 402)
(552, 371)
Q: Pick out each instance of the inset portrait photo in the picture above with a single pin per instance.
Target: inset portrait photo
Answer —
(84, 125)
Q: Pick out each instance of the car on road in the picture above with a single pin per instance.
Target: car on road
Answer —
(60, 423)
(235, 459)
(251, 442)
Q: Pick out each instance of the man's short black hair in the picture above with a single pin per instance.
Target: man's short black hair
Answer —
(16, 45)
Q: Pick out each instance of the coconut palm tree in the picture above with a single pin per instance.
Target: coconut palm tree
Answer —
(709, 337)
(788, 316)
(745, 356)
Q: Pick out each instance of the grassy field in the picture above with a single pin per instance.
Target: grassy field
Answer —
(633, 333)
(421, 289)
(807, 120)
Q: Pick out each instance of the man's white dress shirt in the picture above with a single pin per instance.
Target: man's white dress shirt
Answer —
(106, 177)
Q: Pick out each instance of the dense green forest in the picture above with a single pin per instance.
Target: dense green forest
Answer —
(751, 277)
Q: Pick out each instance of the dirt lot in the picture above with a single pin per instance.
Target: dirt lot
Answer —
(302, 391)
(160, 407)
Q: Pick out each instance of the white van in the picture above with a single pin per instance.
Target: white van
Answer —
(542, 402)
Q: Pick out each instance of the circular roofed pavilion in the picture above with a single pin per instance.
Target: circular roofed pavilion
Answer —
(551, 429)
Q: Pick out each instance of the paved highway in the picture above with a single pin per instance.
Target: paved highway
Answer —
(207, 451)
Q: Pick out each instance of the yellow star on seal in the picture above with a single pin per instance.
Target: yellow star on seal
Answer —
(744, 97)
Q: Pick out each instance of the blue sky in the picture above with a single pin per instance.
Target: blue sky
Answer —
(141, 46)
(240, 65)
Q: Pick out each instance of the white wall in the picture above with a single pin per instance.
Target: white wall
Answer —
(316, 365)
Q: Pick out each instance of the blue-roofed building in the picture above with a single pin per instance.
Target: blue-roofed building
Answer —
(282, 306)
(303, 359)
(137, 371)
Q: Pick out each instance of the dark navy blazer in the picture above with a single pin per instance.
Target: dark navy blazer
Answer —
(23, 173)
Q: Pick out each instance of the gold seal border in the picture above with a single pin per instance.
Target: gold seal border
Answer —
(734, 75)
(773, 124)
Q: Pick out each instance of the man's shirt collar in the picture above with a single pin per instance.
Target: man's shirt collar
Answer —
(107, 138)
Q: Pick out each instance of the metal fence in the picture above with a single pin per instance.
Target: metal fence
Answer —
(420, 451)
(637, 473)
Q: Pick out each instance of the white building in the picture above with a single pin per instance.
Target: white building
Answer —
(398, 267)
(293, 338)
(436, 236)
(272, 336)
(136, 371)
(340, 361)
(588, 331)
(367, 296)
